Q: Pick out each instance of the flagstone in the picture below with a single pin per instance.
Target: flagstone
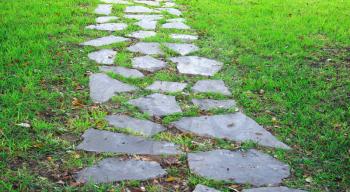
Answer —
(139, 9)
(103, 88)
(272, 189)
(203, 188)
(142, 34)
(195, 65)
(182, 48)
(176, 20)
(144, 17)
(146, 48)
(148, 63)
(175, 25)
(184, 37)
(235, 127)
(108, 26)
(104, 56)
(123, 71)
(208, 104)
(150, 3)
(147, 24)
(103, 9)
(106, 141)
(157, 104)
(169, 4)
(115, 169)
(250, 167)
(211, 86)
(117, 2)
(105, 41)
(171, 11)
(167, 86)
(106, 19)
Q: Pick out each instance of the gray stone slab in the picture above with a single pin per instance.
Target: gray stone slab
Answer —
(150, 3)
(175, 25)
(176, 20)
(194, 65)
(105, 141)
(211, 86)
(235, 127)
(146, 48)
(105, 41)
(139, 9)
(144, 127)
(123, 71)
(272, 189)
(182, 48)
(144, 17)
(106, 19)
(108, 26)
(251, 167)
(208, 104)
(103, 9)
(104, 56)
(167, 86)
(117, 2)
(147, 24)
(184, 37)
(114, 169)
(157, 104)
(148, 63)
(103, 88)
(142, 34)
(203, 188)
(169, 4)
(171, 11)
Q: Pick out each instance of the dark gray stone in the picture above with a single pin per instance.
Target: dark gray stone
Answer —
(139, 9)
(251, 167)
(144, 17)
(148, 63)
(103, 88)
(175, 25)
(157, 104)
(114, 169)
(104, 56)
(166, 86)
(272, 189)
(123, 71)
(211, 86)
(105, 41)
(182, 48)
(142, 34)
(208, 104)
(171, 11)
(147, 24)
(106, 19)
(184, 37)
(236, 127)
(202, 188)
(117, 2)
(146, 48)
(103, 9)
(108, 26)
(195, 65)
(144, 127)
(106, 141)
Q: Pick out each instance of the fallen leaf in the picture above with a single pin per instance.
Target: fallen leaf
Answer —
(170, 179)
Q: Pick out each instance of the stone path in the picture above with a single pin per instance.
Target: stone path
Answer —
(135, 136)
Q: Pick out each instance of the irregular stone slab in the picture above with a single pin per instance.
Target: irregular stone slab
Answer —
(184, 37)
(157, 104)
(175, 25)
(208, 104)
(146, 128)
(148, 63)
(235, 127)
(182, 48)
(123, 71)
(203, 188)
(142, 34)
(105, 41)
(146, 48)
(139, 9)
(195, 65)
(106, 19)
(251, 167)
(144, 17)
(147, 24)
(106, 141)
(150, 3)
(171, 11)
(169, 4)
(108, 26)
(211, 86)
(114, 169)
(104, 56)
(103, 88)
(117, 2)
(103, 9)
(166, 86)
(272, 189)
(176, 20)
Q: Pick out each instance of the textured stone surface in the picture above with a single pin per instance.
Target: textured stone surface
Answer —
(146, 48)
(195, 65)
(144, 17)
(236, 127)
(103, 9)
(272, 189)
(139, 9)
(144, 127)
(251, 167)
(123, 71)
(104, 56)
(105, 41)
(114, 169)
(103, 88)
(175, 25)
(203, 188)
(157, 104)
(142, 34)
(176, 20)
(182, 48)
(169, 4)
(147, 24)
(117, 2)
(171, 11)
(150, 3)
(108, 26)
(208, 104)
(211, 86)
(106, 141)
(184, 37)
(106, 19)
(166, 86)
(148, 63)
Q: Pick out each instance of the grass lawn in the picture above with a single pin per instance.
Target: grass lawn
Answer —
(287, 62)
